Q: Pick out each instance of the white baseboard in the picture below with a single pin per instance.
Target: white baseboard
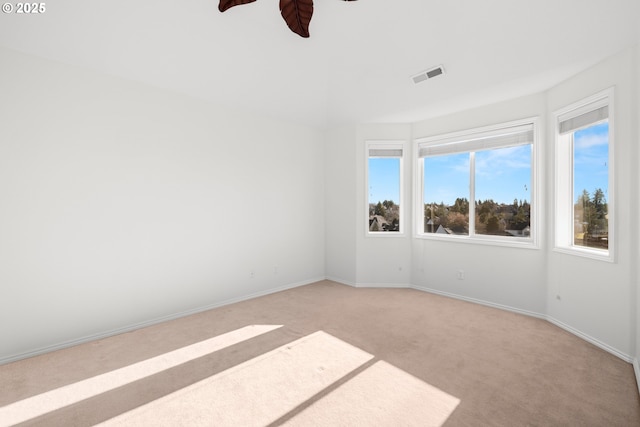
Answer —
(636, 369)
(590, 339)
(550, 319)
(368, 285)
(573, 331)
(383, 285)
(481, 302)
(341, 281)
(133, 327)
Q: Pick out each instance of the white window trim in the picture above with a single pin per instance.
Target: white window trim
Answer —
(385, 145)
(418, 206)
(563, 203)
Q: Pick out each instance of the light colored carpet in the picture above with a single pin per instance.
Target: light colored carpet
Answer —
(32, 407)
(257, 392)
(506, 369)
(381, 395)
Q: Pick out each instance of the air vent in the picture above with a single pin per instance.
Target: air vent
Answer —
(429, 74)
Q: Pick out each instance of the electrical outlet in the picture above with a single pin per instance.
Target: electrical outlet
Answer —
(460, 274)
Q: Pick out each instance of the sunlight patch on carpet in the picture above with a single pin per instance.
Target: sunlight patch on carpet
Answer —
(381, 395)
(32, 407)
(257, 392)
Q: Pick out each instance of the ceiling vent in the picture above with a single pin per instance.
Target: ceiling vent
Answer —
(429, 74)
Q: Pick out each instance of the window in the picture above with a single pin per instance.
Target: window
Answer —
(583, 177)
(384, 184)
(478, 185)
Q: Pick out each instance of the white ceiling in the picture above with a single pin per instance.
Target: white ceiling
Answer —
(355, 67)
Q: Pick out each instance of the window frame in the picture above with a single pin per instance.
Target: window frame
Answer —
(469, 135)
(385, 145)
(564, 178)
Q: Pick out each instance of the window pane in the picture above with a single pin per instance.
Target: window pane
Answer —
(503, 191)
(591, 186)
(446, 194)
(384, 194)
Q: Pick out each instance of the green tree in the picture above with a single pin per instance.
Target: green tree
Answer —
(585, 211)
(388, 204)
(493, 225)
(461, 205)
(600, 212)
(457, 222)
(599, 203)
(484, 208)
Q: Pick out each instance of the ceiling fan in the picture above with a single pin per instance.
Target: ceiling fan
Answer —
(296, 13)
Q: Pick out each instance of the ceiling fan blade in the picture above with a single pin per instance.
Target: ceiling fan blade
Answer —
(226, 4)
(297, 14)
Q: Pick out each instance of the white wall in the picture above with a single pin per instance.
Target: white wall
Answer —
(636, 317)
(121, 203)
(382, 260)
(597, 298)
(340, 205)
(504, 276)
(352, 257)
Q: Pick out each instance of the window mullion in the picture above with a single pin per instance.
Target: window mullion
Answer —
(472, 193)
(571, 199)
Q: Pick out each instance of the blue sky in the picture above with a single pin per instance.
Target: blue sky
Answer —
(502, 175)
(591, 156)
(384, 179)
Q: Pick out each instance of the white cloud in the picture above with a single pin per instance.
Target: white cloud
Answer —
(502, 161)
(593, 140)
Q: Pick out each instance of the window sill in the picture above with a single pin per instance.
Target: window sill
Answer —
(385, 234)
(513, 242)
(598, 255)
